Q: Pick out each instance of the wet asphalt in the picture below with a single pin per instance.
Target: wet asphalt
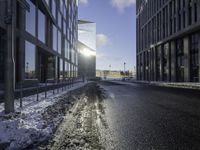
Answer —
(144, 117)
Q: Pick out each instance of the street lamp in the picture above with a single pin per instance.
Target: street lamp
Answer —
(124, 67)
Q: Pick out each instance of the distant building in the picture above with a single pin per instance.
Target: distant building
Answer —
(87, 49)
(107, 74)
(46, 38)
(168, 40)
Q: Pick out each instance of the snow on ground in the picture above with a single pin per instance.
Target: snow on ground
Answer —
(27, 125)
(187, 85)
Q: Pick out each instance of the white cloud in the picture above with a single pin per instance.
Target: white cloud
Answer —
(84, 2)
(102, 40)
(122, 4)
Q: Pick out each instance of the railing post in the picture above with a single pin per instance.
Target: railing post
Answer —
(53, 87)
(57, 87)
(62, 85)
(38, 91)
(45, 88)
(21, 93)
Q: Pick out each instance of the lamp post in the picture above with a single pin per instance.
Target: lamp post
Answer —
(124, 67)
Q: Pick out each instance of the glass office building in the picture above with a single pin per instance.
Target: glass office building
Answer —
(46, 40)
(168, 40)
(87, 49)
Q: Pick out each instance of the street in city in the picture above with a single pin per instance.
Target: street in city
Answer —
(120, 116)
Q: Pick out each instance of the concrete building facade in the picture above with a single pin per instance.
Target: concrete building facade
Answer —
(87, 49)
(168, 40)
(46, 40)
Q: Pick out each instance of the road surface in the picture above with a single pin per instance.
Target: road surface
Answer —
(144, 117)
(117, 116)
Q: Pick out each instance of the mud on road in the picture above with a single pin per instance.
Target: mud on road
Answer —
(84, 125)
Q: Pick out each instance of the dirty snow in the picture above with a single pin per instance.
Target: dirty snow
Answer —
(186, 85)
(28, 126)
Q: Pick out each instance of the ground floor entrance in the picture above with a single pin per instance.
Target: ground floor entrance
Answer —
(46, 66)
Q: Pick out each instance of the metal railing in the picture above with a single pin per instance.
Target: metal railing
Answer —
(42, 88)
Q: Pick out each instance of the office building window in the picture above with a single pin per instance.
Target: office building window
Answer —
(53, 8)
(180, 60)
(30, 60)
(66, 49)
(51, 67)
(61, 69)
(66, 69)
(189, 13)
(55, 38)
(47, 1)
(59, 42)
(64, 27)
(195, 12)
(31, 18)
(59, 20)
(41, 26)
(194, 57)
(158, 62)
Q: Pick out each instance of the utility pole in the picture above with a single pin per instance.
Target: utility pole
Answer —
(9, 60)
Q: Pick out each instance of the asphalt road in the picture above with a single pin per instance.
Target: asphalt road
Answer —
(143, 117)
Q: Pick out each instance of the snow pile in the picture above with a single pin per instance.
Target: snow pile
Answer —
(36, 121)
(187, 85)
(182, 85)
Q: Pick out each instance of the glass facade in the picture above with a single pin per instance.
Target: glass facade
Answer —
(41, 26)
(194, 57)
(61, 69)
(31, 19)
(59, 42)
(53, 8)
(180, 60)
(30, 70)
(55, 38)
(87, 50)
(175, 22)
(51, 68)
(43, 46)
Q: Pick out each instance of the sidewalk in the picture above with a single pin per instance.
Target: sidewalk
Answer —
(185, 85)
(36, 120)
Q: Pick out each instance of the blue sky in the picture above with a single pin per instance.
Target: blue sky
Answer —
(116, 31)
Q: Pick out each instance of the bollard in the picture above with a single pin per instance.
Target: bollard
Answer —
(21, 94)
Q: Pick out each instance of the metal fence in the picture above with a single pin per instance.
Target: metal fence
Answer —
(44, 88)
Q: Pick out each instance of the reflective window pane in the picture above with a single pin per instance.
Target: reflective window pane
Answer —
(41, 26)
(55, 38)
(29, 60)
(53, 10)
(61, 68)
(59, 42)
(30, 19)
(47, 1)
